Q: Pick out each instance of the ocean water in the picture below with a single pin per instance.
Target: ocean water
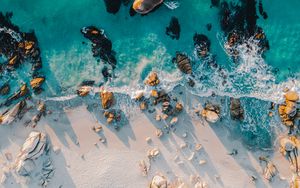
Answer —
(141, 45)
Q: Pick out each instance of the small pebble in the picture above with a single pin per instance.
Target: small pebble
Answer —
(184, 135)
(182, 146)
(148, 140)
(157, 117)
(198, 147)
(202, 162)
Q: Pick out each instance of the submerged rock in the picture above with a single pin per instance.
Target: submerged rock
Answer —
(173, 30)
(183, 62)
(145, 6)
(112, 6)
(4, 89)
(10, 115)
(236, 110)
(107, 99)
(152, 79)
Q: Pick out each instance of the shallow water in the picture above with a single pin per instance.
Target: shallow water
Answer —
(142, 45)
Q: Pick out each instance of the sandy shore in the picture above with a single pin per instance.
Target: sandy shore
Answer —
(82, 160)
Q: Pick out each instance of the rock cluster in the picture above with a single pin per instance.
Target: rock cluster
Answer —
(36, 83)
(18, 47)
(211, 112)
(112, 116)
(107, 99)
(236, 109)
(173, 30)
(183, 63)
(288, 111)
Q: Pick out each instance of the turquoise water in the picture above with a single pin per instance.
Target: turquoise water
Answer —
(142, 45)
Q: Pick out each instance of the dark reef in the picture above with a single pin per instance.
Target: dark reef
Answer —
(173, 30)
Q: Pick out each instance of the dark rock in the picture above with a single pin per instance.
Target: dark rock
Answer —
(236, 109)
(87, 83)
(4, 89)
(208, 26)
(261, 10)
(101, 44)
(173, 30)
(113, 6)
(202, 44)
(215, 3)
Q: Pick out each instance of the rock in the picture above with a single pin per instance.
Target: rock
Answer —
(11, 114)
(183, 63)
(236, 110)
(151, 153)
(154, 93)
(173, 30)
(159, 133)
(164, 116)
(97, 128)
(107, 99)
(144, 167)
(178, 107)
(148, 140)
(4, 89)
(157, 117)
(198, 147)
(167, 108)
(34, 146)
(112, 6)
(139, 95)
(202, 162)
(174, 120)
(159, 181)
(201, 184)
(56, 149)
(145, 6)
(18, 94)
(84, 91)
(37, 82)
(202, 44)
(182, 146)
(191, 157)
(292, 96)
(152, 79)
(143, 106)
(211, 113)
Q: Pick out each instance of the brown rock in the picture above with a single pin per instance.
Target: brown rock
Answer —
(37, 82)
(84, 91)
(178, 107)
(154, 93)
(152, 79)
(12, 61)
(183, 63)
(107, 99)
(292, 96)
(143, 105)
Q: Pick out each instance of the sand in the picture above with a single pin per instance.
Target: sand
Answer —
(82, 160)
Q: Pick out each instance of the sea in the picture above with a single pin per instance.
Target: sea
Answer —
(142, 46)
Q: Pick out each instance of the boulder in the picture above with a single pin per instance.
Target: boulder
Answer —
(183, 63)
(84, 91)
(35, 146)
(37, 82)
(107, 99)
(18, 94)
(145, 6)
(211, 113)
(202, 44)
(292, 96)
(152, 79)
(236, 110)
(159, 181)
(112, 6)
(11, 114)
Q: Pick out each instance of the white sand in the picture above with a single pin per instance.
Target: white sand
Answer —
(114, 164)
